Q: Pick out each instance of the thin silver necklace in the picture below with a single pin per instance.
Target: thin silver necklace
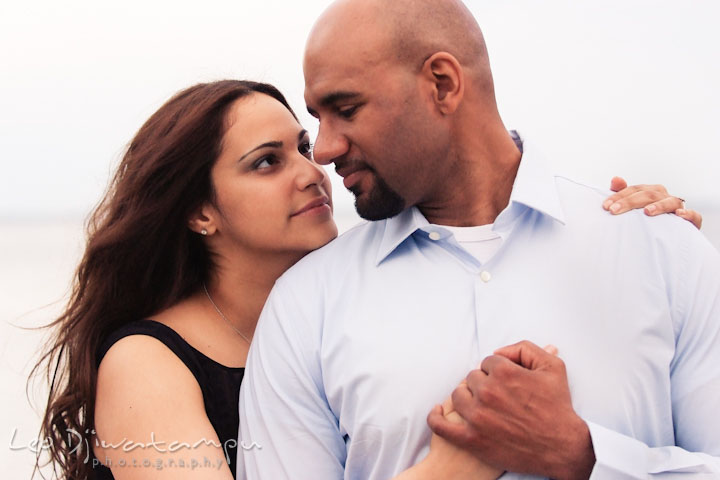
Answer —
(224, 317)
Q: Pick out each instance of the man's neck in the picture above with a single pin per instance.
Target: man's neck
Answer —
(479, 186)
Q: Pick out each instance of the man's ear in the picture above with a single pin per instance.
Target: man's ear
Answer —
(202, 220)
(447, 79)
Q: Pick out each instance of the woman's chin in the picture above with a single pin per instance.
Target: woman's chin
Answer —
(328, 236)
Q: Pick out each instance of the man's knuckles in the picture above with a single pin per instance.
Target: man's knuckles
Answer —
(504, 370)
(490, 394)
(556, 364)
(475, 378)
(461, 397)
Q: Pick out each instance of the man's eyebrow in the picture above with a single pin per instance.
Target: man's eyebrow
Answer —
(335, 97)
(332, 98)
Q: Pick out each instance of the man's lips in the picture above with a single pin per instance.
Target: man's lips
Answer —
(353, 178)
(316, 206)
(351, 174)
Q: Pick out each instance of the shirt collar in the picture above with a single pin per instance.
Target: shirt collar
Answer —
(534, 187)
(397, 229)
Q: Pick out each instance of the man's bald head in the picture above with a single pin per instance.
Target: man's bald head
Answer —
(423, 27)
(405, 32)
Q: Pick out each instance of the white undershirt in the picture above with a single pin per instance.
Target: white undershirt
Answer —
(481, 242)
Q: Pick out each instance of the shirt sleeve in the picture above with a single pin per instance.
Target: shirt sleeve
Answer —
(287, 429)
(693, 290)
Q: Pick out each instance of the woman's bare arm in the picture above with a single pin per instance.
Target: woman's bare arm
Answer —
(151, 415)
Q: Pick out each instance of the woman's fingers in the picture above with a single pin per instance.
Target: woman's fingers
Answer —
(440, 425)
(653, 199)
(551, 349)
(691, 216)
(617, 184)
(447, 406)
(666, 205)
(637, 196)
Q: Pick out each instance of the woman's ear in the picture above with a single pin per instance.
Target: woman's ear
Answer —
(447, 80)
(202, 220)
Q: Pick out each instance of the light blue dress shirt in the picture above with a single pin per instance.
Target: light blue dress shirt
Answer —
(360, 339)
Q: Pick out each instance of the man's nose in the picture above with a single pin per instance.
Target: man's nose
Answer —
(329, 145)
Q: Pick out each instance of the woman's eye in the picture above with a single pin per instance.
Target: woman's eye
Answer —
(347, 112)
(265, 162)
(306, 149)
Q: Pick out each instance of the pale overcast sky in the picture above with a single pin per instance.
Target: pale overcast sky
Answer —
(615, 87)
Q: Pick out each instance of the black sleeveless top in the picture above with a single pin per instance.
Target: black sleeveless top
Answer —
(220, 386)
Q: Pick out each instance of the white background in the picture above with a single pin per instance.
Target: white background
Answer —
(616, 87)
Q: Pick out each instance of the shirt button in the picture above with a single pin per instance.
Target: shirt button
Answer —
(434, 236)
(485, 276)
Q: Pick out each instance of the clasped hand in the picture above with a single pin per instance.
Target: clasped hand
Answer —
(517, 415)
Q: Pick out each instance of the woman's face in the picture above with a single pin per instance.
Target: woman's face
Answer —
(271, 197)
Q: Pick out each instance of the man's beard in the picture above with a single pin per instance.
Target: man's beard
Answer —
(379, 203)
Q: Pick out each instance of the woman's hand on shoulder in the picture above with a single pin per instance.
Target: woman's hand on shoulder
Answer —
(150, 416)
(653, 199)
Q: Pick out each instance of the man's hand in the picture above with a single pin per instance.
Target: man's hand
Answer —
(653, 199)
(519, 416)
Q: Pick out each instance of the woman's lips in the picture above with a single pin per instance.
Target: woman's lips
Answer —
(318, 206)
(319, 210)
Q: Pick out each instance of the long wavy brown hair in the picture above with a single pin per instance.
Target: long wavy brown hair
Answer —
(140, 258)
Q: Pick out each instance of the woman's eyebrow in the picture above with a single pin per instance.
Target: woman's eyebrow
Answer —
(275, 144)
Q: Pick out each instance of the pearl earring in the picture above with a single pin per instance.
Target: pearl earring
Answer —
(203, 232)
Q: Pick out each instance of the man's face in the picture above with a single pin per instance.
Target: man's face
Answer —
(373, 127)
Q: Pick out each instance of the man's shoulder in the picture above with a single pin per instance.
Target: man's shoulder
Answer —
(571, 189)
(582, 206)
(358, 244)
